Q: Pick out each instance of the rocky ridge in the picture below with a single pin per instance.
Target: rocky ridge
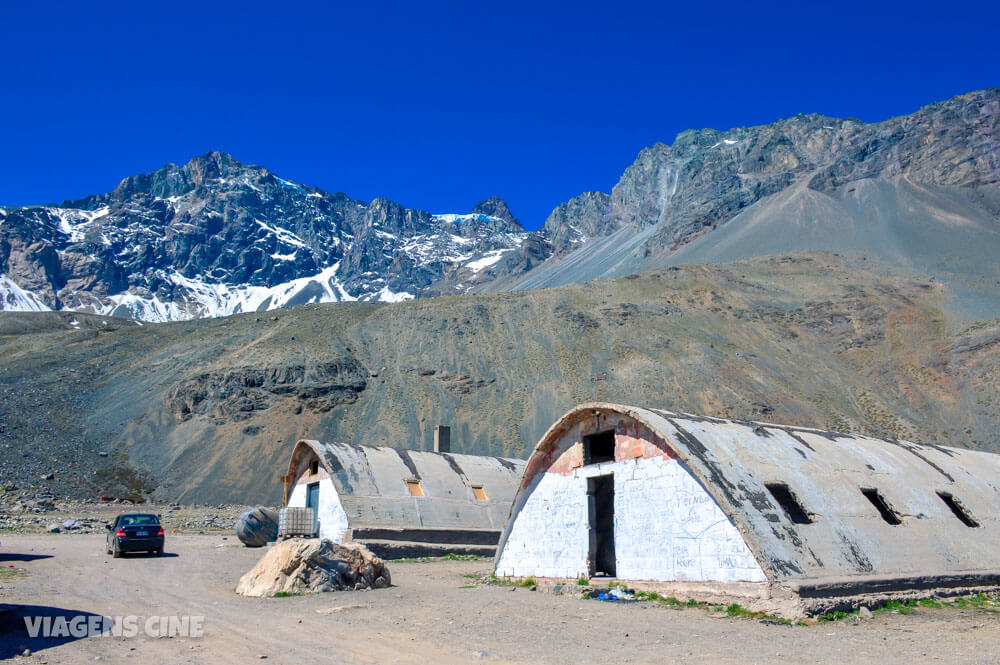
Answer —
(895, 189)
(217, 237)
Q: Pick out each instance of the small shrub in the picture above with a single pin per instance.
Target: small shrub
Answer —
(835, 615)
(738, 611)
(897, 606)
(583, 581)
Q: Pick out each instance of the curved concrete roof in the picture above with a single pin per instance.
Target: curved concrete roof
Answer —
(848, 547)
(371, 485)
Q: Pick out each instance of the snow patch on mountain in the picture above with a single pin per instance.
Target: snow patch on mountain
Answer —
(283, 235)
(288, 184)
(487, 260)
(387, 295)
(15, 299)
(75, 222)
(455, 218)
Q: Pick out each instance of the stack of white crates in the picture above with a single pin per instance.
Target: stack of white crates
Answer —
(296, 522)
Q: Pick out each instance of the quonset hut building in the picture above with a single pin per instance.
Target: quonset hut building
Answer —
(790, 520)
(403, 502)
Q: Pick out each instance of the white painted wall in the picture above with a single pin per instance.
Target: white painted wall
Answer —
(332, 518)
(549, 537)
(667, 527)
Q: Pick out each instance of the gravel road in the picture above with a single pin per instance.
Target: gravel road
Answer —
(435, 613)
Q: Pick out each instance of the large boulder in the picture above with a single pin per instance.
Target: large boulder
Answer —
(310, 565)
(257, 526)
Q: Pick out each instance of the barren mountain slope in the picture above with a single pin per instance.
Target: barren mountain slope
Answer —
(920, 191)
(208, 410)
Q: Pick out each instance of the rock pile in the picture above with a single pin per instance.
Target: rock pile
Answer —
(312, 565)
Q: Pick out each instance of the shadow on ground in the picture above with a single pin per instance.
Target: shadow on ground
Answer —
(146, 555)
(13, 556)
(39, 627)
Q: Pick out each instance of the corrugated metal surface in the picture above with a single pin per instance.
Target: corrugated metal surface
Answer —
(371, 483)
(848, 540)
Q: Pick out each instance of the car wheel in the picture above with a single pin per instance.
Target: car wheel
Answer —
(116, 553)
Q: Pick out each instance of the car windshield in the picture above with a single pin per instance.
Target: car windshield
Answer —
(138, 520)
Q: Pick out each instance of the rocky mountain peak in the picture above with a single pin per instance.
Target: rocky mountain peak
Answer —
(212, 165)
(216, 237)
(496, 207)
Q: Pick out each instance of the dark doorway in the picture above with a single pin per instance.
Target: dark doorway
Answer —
(601, 503)
(599, 447)
(312, 501)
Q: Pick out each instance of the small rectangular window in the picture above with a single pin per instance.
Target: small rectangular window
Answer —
(480, 493)
(789, 503)
(884, 509)
(416, 489)
(314, 467)
(599, 447)
(960, 511)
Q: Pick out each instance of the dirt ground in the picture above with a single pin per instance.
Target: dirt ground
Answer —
(434, 613)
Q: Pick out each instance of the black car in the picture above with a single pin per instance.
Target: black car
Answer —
(135, 532)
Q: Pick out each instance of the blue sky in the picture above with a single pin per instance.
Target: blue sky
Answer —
(440, 105)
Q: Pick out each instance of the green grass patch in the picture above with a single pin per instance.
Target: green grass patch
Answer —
(835, 615)
(897, 606)
(507, 581)
(444, 557)
(285, 594)
(583, 581)
(979, 601)
(737, 611)
(12, 573)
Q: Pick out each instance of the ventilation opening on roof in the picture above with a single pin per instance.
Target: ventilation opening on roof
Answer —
(599, 447)
(789, 503)
(479, 493)
(314, 467)
(960, 511)
(416, 489)
(884, 509)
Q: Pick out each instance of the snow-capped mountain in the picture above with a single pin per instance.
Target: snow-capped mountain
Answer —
(216, 237)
